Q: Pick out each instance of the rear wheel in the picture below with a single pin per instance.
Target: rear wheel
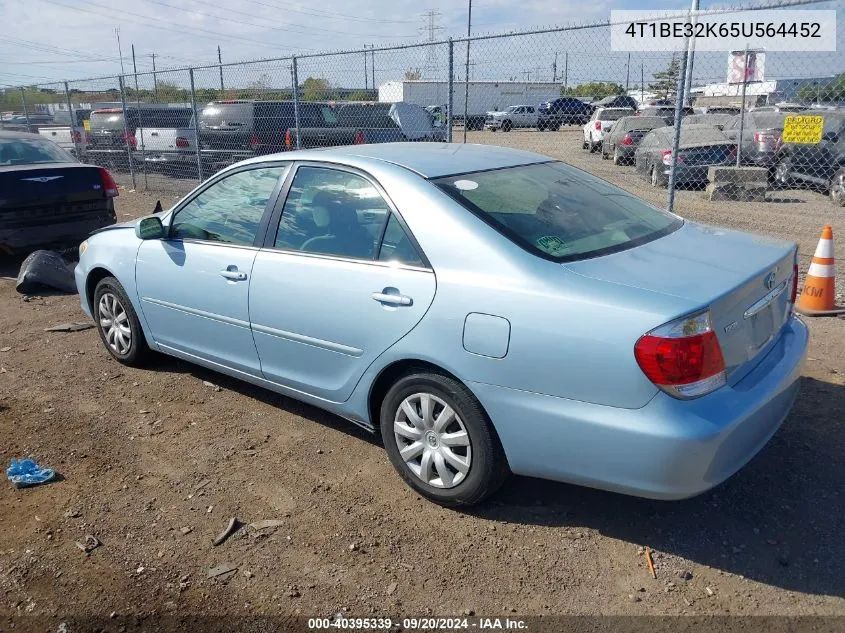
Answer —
(837, 188)
(657, 179)
(617, 159)
(604, 154)
(592, 146)
(118, 324)
(541, 126)
(585, 144)
(507, 126)
(781, 175)
(439, 439)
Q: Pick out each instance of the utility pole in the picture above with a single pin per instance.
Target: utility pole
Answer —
(373, 65)
(220, 66)
(366, 74)
(155, 79)
(135, 70)
(565, 71)
(119, 51)
(554, 69)
(642, 82)
(690, 55)
(627, 73)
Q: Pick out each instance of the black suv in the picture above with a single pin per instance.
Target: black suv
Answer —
(563, 111)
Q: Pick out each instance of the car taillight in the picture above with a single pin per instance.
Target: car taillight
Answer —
(626, 140)
(683, 357)
(757, 137)
(254, 142)
(666, 156)
(182, 142)
(130, 140)
(109, 185)
(793, 296)
(288, 140)
(598, 125)
(359, 138)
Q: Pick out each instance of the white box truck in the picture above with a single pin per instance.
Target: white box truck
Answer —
(484, 96)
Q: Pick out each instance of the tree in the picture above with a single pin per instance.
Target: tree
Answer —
(595, 89)
(831, 91)
(314, 89)
(204, 95)
(666, 81)
(360, 95)
(413, 75)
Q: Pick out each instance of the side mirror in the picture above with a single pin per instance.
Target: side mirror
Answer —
(149, 228)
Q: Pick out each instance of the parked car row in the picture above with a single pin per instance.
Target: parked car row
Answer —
(646, 141)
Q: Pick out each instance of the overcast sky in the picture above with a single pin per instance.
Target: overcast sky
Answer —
(51, 40)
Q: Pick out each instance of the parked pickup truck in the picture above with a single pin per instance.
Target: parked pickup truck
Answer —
(170, 149)
(69, 136)
(357, 123)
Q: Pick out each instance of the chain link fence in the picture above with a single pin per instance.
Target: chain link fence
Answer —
(560, 92)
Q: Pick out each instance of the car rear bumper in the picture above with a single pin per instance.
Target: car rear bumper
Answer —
(688, 174)
(181, 158)
(668, 449)
(53, 233)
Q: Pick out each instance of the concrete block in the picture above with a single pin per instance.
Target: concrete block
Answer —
(747, 184)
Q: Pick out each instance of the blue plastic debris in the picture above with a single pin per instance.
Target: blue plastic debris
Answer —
(25, 472)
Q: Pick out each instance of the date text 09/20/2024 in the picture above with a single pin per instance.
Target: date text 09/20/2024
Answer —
(423, 624)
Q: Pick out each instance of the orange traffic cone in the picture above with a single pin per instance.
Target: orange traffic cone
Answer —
(818, 295)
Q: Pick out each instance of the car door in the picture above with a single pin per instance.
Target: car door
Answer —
(194, 284)
(339, 281)
(530, 119)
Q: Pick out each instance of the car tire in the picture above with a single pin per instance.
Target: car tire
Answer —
(657, 179)
(507, 126)
(617, 159)
(837, 188)
(593, 147)
(541, 127)
(781, 173)
(117, 321)
(604, 154)
(585, 145)
(483, 455)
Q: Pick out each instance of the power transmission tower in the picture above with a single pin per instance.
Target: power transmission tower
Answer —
(431, 26)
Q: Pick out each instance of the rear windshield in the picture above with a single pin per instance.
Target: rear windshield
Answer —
(640, 123)
(107, 120)
(237, 115)
(614, 114)
(769, 119)
(166, 118)
(559, 212)
(31, 151)
(375, 116)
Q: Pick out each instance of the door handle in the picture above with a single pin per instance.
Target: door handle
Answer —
(391, 299)
(233, 275)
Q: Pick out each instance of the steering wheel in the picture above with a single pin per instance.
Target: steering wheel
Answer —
(306, 246)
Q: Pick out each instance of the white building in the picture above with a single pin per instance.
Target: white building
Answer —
(484, 96)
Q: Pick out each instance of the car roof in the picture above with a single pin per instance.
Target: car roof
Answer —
(430, 160)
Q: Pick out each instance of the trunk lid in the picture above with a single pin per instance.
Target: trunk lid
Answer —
(705, 154)
(164, 139)
(33, 194)
(744, 279)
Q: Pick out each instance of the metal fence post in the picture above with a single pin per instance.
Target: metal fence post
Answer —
(676, 140)
(295, 80)
(121, 81)
(742, 106)
(25, 110)
(73, 136)
(196, 125)
(451, 102)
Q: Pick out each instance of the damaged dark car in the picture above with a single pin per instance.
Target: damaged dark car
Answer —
(47, 197)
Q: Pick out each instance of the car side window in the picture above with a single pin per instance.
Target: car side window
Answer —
(230, 210)
(530, 110)
(332, 212)
(396, 246)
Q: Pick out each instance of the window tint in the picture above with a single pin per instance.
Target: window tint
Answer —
(332, 212)
(397, 246)
(558, 212)
(230, 210)
(29, 151)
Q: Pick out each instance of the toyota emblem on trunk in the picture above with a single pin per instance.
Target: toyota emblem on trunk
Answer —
(770, 280)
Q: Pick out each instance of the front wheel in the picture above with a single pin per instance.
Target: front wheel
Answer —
(118, 324)
(617, 158)
(837, 188)
(507, 126)
(781, 173)
(439, 439)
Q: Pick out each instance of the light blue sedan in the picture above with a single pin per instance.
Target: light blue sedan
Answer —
(485, 310)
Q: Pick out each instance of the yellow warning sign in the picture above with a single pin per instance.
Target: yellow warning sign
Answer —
(86, 123)
(805, 129)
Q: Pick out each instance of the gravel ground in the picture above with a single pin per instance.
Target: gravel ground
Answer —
(154, 462)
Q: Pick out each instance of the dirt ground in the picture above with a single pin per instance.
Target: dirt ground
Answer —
(154, 462)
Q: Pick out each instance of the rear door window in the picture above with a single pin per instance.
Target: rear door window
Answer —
(231, 116)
